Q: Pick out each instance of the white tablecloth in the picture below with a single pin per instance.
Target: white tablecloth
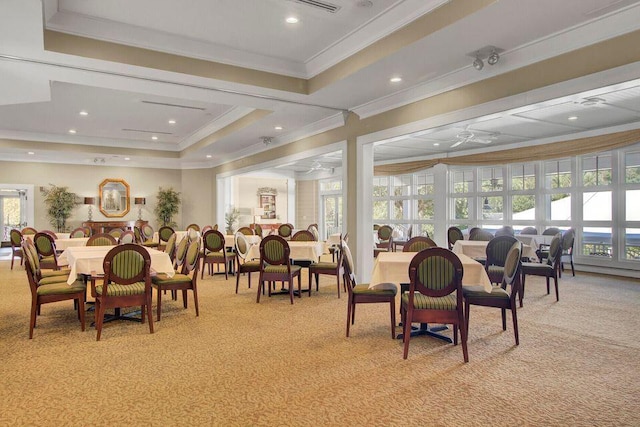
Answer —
(62, 244)
(299, 251)
(534, 240)
(84, 260)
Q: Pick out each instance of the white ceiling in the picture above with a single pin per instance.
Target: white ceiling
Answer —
(252, 33)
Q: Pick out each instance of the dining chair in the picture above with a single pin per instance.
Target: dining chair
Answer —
(78, 233)
(529, 230)
(164, 233)
(499, 297)
(184, 281)
(435, 295)
(181, 253)
(46, 247)
(551, 231)
(247, 231)
(418, 243)
(15, 236)
(362, 294)
(313, 229)
(206, 228)
(453, 235)
(126, 283)
(328, 268)
(28, 231)
(170, 246)
(102, 239)
(258, 230)
(480, 235)
(303, 236)
(244, 265)
(385, 240)
(548, 270)
(506, 230)
(497, 250)
(285, 231)
(333, 249)
(215, 252)
(50, 233)
(42, 277)
(116, 232)
(275, 266)
(568, 239)
(127, 237)
(54, 289)
(146, 236)
(195, 227)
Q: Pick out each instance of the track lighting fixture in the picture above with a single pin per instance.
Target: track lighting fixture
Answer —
(489, 53)
(493, 58)
(478, 64)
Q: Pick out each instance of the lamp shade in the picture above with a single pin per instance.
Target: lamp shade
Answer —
(139, 201)
(89, 200)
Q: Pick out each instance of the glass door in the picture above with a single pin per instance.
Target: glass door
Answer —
(332, 214)
(12, 211)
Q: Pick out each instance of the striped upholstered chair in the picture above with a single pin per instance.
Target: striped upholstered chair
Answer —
(549, 269)
(285, 231)
(453, 235)
(126, 283)
(102, 239)
(435, 294)
(499, 297)
(243, 264)
(16, 245)
(275, 265)
(418, 243)
(215, 252)
(497, 250)
(46, 247)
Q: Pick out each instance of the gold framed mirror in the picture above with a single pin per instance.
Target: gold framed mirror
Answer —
(114, 198)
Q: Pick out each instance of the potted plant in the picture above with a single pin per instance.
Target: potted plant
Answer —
(230, 218)
(167, 206)
(60, 202)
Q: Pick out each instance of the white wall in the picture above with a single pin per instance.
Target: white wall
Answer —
(246, 198)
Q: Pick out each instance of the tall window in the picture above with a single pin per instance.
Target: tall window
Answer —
(523, 195)
(558, 182)
(462, 192)
(597, 205)
(631, 188)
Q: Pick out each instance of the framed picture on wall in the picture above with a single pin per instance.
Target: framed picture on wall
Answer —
(268, 203)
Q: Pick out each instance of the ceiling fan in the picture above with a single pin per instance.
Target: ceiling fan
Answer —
(317, 166)
(468, 135)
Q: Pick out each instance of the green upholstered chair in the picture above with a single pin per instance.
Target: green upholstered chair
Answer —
(258, 229)
(418, 243)
(328, 268)
(46, 247)
(184, 281)
(435, 294)
(246, 231)
(126, 283)
(215, 252)
(170, 246)
(28, 231)
(102, 239)
(275, 266)
(499, 297)
(127, 237)
(453, 235)
(206, 228)
(195, 227)
(146, 236)
(529, 231)
(181, 253)
(78, 233)
(480, 235)
(285, 231)
(15, 236)
(116, 232)
(52, 289)
(313, 229)
(385, 240)
(549, 269)
(244, 265)
(497, 250)
(333, 249)
(361, 294)
(42, 277)
(303, 236)
(164, 233)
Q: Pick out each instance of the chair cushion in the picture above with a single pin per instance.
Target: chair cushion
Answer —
(115, 290)
(495, 273)
(61, 288)
(53, 273)
(163, 279)
(250, 266)
(423, 302)
(53, 279)
(479, 292)
(218, 255)
(323, 266)
(48, 259)
(380, 289)
(536, 268)
(281, 269)
(150, 244)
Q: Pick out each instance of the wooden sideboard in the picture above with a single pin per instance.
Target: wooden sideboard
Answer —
(106, 226)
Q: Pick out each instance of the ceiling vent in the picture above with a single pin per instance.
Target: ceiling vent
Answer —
(147, 131)
(327, 7)
(165, 104)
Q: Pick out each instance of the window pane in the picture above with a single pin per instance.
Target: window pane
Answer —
(523, 177)
(401, 185)
(596, 206)
(560, 206)
(596, 241)
(558, 174)
(381, 187)
(633, 205)
(426, 208)
(424, 184)
(461, 208)
(380, 209)
(632, 243)
(425, 230)
(399, 209)
(462, 181)
(596, 170)
(491, 179)
(523, 207)
(632, 168)
(491, 207)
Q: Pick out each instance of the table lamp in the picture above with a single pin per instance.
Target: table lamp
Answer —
(139, 201)
(90, 201)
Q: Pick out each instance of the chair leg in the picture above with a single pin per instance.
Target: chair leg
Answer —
(548, 285)
(455, 334)
(184, 298)
(349, 308)
(99, 319)
(81, 312)
(291, 289)
(238, 280)
(504, 319)
(406, 334)
(555, 279)
(393, 317)
(338, 283)
(466, 314)
(260, 285)
(514, 316)
(149, 313)
(573, 270)
(353, 314)
(32, 319)
(463, 336)
(195, 300)
(159, 308)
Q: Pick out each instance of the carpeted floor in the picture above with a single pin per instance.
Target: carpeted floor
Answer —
(242, 363)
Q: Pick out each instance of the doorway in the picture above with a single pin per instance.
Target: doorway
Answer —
(16, 208)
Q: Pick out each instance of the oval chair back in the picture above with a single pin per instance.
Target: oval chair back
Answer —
(551, 231)
(507, 230)
(102, 239)
(147, 232)
(127, 237)
(206, 228)
(529, 230)
(246, 231)
(15, 236)
(28, 230)
(453, 235)
(497, 250)
(77, 233)
(46, 248)
(285, 230)
(418, 243)
(258, 230)
(193, 227)
(303, 236)
(170, 247)
(181, 252)
(241, 245)
(164, 233)
(481, 235)
(116, 232)
(314, 230)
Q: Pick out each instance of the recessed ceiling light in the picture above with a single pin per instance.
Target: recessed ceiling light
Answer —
(72, 131)
(127, 158)
(172, 122)
(292, 20)
(209, 156)
(572, 118)
(83, 113)
(155, 138)
(31, 153)
(435, 144)
(395, 79)
(278, 128)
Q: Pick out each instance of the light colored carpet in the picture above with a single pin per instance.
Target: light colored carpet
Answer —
(242, 363)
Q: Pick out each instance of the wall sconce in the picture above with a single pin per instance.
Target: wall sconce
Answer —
(90, 201)
(139, 201)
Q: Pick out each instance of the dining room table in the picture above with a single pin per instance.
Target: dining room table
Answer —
(300, 251)
(478, 249)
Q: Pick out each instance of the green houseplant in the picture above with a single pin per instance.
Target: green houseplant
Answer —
(60, 202)
(230, 218)
(167, 206)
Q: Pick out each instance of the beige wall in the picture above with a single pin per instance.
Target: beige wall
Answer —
(246, 198)
(197, 192)
(84, 181)
(306, 203)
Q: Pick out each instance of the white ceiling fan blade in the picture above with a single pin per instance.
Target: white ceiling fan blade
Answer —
(482, 141)
(458, 143)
